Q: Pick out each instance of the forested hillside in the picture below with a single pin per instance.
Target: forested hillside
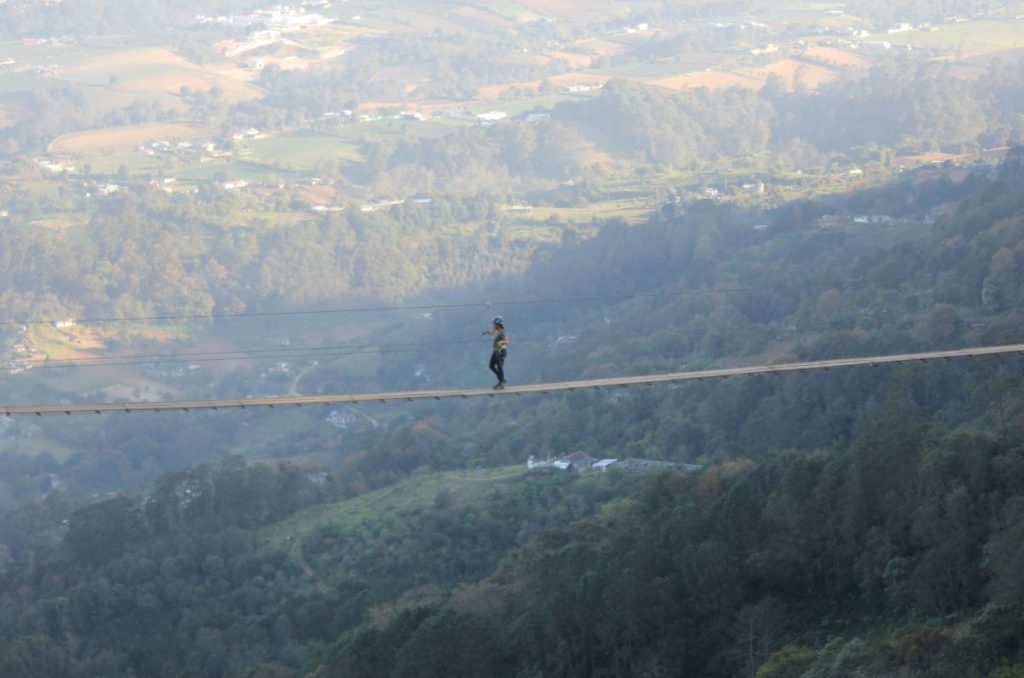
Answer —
(856, 522)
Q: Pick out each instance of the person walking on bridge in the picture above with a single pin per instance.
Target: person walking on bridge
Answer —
(500, 350)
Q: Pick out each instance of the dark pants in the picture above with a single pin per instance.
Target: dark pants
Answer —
(498, 365)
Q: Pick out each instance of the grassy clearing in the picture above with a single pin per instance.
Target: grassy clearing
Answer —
(35, 445)
(303, 150)
(61, 222)
(75, 380)
(50, 55)
(135, 162)
(465, 487)
(252, 172)
(967, 36)
(482, 20)
(154, 71)
(269, 221)
(624, 209)
(513, 10)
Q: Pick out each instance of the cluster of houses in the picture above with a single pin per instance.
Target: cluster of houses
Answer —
(581, 462)
(832, 219)
(341, 419)
(279, 17)
(204, 151)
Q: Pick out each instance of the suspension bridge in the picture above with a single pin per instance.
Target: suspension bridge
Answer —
(509, 391)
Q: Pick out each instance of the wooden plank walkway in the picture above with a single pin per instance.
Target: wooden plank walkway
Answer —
(550, 387)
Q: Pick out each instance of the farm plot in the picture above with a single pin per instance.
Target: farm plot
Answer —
(973, 37)
(577, 11)
(120, 138)
(710, 79)
(513, 10)
(834, 56)
(156, 70)
(794, 73)
(481, 20)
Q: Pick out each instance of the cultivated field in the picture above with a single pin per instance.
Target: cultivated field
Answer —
(709, 79)
(513, 10)
(836, 57)
(580, 11)
(156, 70)
(794, 74)
(575, 60)
(473, 17)
(119, 138)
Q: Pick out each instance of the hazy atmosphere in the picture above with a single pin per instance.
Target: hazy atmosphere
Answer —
(511, 338)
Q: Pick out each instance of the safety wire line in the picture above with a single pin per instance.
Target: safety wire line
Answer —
(419, 307)
(269, 354)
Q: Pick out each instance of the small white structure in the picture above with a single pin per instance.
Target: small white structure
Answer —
(492, 116)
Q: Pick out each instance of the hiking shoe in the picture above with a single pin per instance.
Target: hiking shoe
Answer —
(499, 386)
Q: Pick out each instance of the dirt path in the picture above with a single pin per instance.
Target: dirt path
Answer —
(296, 553)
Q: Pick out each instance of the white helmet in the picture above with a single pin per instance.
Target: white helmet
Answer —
(498, 320)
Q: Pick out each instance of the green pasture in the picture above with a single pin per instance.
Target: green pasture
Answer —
(39, 188)
(396, 129)
(626, 209)
(373, 507)
(302, 151)
(252, 172)
(49, 55)
(61, 221)
(136, 163)
(271, 220)
(968, 36)
(811, 14)
(522, 106)
(127, 72)
(512, 10)
(72, 379)
(35, 445)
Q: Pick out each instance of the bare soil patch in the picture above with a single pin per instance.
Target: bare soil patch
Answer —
(836, 57)
(710, 79)
(574, 59)
(110, 63)
(794, 73)
(118, 138)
